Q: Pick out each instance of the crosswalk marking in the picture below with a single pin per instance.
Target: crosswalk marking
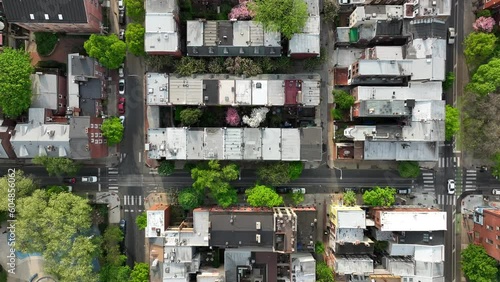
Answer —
(470, 180)
(133, 202)
(447, 200)
(113, 186)
(112, 172)
(428, 179)
(448, 162)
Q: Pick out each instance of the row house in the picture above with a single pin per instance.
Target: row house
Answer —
(162, 28)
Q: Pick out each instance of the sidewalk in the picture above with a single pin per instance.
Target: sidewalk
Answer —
(113, 202)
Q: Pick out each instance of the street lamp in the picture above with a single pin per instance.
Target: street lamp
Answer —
(338, 170)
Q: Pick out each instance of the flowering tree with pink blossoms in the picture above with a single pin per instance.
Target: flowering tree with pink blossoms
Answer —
(484, 24)
(232, 117)
(241, 12)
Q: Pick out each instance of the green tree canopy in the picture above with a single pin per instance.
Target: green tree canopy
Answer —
(448, 83)
(189, 65)
(15, 82)
(50, 222)
(408, 169)
(140, 273)
(110, 273)
(319, 248)
(189, 199)
(380, 197)
(135, 10)
(45, 42)
(323, 272)
(477, 265)
(286, 16)
(166, 168)
(297, 198)
(479, 46)
(216, 179)
(349, 198)
(57, 166)
(190, 116)
(343, 100)
(274, 174)
(495, 170)
(55, 189)
(15, 185)
(73, 263)
(452, 122)
(486, 79)
(112, 129)
(263, 196)
(134, 36)
(142, 221)
(109, 50)
(295, 170)
(111, 239)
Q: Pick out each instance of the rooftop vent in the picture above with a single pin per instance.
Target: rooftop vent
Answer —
(46, 16)
(60, 17)
(32, 16)
(257, 238)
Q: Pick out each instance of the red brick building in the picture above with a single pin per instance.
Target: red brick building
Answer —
(491, 4)
(487, 231)
(69, 16)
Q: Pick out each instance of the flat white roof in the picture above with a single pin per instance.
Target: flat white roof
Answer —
(253, 143)
(186, 91)
(276, 92)
(351, 219)
(195, 33)
(194, 144)
(161, 33)
(271, 144)
(388, 52)
(157, 87)
(259, 92)
(412, 221)
(415, 90)
(175, 148)
(311, 92)
(155, 219)
(244, 92)
(428, 69)
(386, 67)
(233, 141)
(73, 88)
(290, 144)
(214, 144)
(227, 92)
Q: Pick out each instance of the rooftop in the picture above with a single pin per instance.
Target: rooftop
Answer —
(231, 38)
(48, 11)
(353, 264)
(306, 228)
(157, 85)
(45, 91)
(311, 146)
(198, 235)
(161, 33)
(160, 6)
(414, 91)
(211, 89)
(409, 219)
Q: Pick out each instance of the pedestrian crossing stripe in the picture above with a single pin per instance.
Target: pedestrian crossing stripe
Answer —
(132, 200)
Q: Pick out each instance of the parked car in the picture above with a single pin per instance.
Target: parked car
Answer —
(69, 188)
(353, 189)
(495, 191)
(121, 7)
(121, 86)
(451, 186)
(451, 35)
(403, 191)
(89, 179)
(123, 225)
(70, 180)
(121, 34)
(282, 190)
(122, 119)
(121, 74)
(121, 105)
(121, 17)
(299, 190)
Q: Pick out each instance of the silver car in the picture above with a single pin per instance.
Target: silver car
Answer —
(89, 179)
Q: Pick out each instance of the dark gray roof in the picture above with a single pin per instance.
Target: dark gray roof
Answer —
(225, 33)
(79, 140)
(232, 51)
(311, 144)
(211, 92)
(236, 227)
(83, 66)
(90, 89)
(34, 11)
(389, 28)
(305, 229)
(427, 28)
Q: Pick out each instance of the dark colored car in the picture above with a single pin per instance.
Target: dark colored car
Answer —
(353, 189)
(123, 225)
(69, 180)
(283, 190)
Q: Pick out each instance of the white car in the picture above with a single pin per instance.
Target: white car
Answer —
(89, 179)
(121, 86)
(121, 34)
(495, 191)
(122, 119)
(69, 188)
(451, 186)
(299, 190)
(121, 74)
(451, 35)
(121, 7)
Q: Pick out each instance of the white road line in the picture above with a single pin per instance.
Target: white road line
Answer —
(469, 182)
(113, 172)
(126, 210)
(140, 200)
(98, 171)
(112, 168)
(113, 187)
(131, 210)
(112, 179)
(132, 202)
(454, 202)
(125, 198)
(99, 185)
(140, 157)
(458, 161)
(153, 172)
